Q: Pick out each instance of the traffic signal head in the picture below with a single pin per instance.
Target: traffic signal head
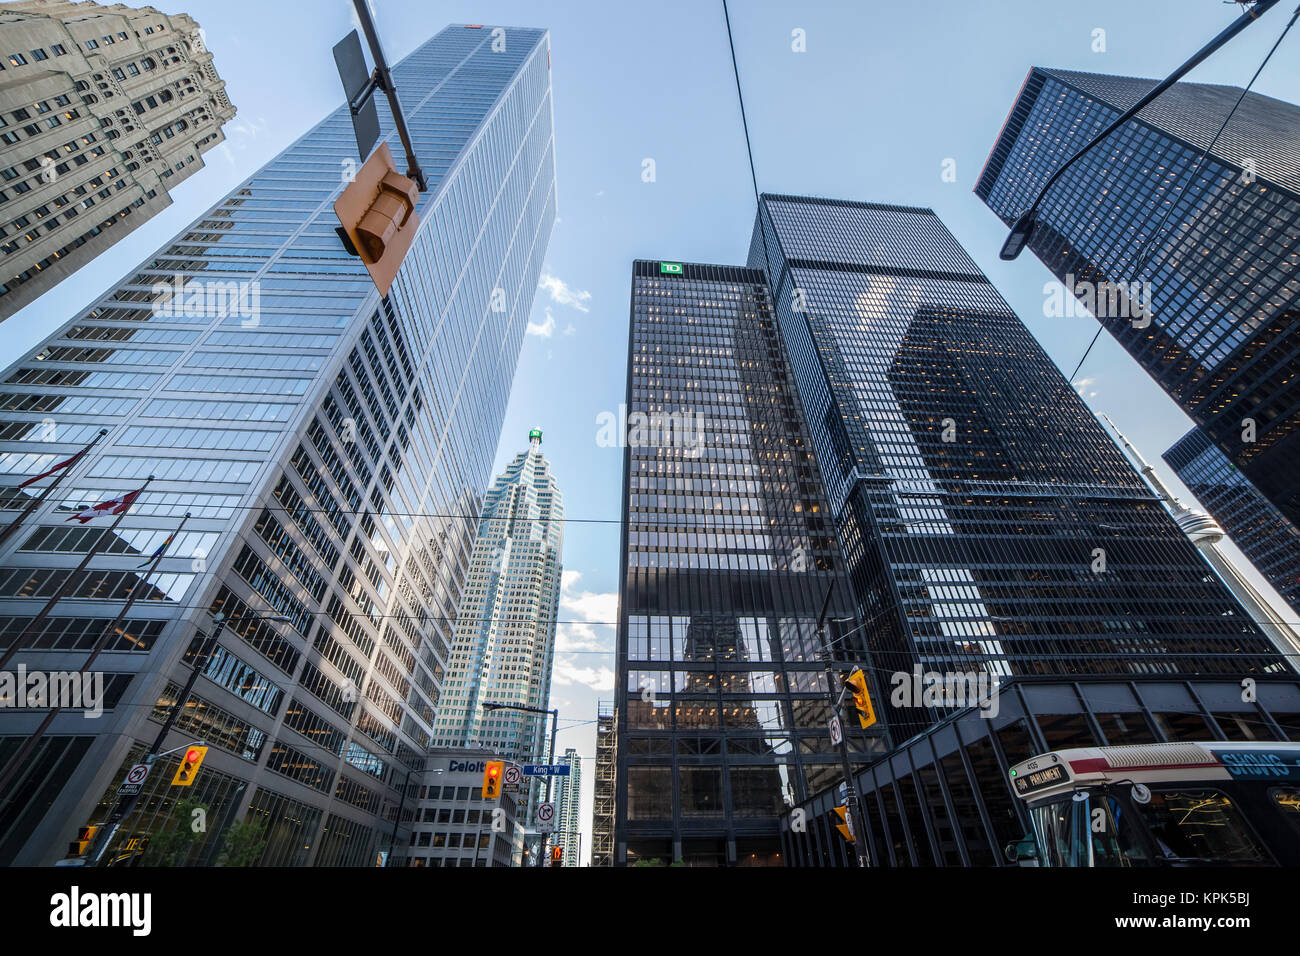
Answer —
(191, 760)
(377, 216)
(557, 856)
(85, 837)
(492, 772)
(856, 681)
(845, 826)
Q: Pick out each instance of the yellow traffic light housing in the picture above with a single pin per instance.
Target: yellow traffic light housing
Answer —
(378, 217)
(492, 772)
(845, 826)
(857, 682)
(189, 768)
(85, 837)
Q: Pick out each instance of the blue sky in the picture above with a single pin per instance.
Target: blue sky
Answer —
(883, 95)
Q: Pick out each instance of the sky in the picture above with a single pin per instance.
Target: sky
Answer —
(882, 99)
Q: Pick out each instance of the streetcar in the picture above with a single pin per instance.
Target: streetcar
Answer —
(1152, 805)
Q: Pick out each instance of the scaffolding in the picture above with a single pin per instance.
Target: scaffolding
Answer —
(602, 822)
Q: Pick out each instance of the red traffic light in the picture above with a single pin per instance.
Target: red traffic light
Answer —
(192, 755)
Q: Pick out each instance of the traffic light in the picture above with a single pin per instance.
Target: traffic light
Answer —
(845, 826)
(85, 837)
(557, 856)
(492, 771)
(189, 768)
(378, 217)
(857, 682)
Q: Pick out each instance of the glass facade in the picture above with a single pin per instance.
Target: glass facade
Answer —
(721, 703)
(330, 447)
(1261, 531)
(1217, 239)
(990, 526)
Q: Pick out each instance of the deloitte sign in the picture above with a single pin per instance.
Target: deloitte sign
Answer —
(466, 766)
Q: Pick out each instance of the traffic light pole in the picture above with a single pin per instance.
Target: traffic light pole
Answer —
(397, 822)
(550, 777)
(850, 792)
(125, 805)
(383, 79)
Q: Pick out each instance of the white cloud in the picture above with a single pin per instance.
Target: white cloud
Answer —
(561, 292)
(1082, 387)
(568, 672)
(546, 329)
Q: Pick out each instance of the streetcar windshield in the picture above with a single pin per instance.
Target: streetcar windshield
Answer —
(1201, 826)
(1086, 828)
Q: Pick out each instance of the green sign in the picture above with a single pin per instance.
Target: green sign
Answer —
(670, 268)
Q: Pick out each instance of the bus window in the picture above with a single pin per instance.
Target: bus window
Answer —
(1287, 799)
(1200, 826)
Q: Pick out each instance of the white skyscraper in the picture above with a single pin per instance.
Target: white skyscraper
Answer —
(569, 809)
(504, 643)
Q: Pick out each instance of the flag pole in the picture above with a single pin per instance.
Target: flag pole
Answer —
(45, 492)
(29, 745)
(63, 587)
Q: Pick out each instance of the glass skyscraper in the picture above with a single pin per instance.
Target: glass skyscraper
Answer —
(331, 449)
(503, 646)
(721, 699)
(1262, 533)
(1215, 236)
(989, 525)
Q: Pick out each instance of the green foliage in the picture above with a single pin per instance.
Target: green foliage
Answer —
(171, 845)
(244, 842)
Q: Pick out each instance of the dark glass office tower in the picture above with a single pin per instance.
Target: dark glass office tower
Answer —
(989, 524)
(1217, 239)
(721, 696)
(1261, 531)
(331, 448)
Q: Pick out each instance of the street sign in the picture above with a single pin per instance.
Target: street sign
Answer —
(546, 770)
(545, 817)
(837, 732)
(512, 775)
(135, 778)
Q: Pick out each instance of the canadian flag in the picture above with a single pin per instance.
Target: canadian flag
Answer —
(45, 474)
(117, 506)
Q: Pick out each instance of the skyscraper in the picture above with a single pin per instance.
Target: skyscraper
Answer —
(1261, 531)
(569, 810)
(989, 525)
(721, 700)
(1208, 238)
(103, 110)
(503, 647)
(331, 449)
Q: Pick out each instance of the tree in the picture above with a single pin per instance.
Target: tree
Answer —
(171, 845)
(244, 842)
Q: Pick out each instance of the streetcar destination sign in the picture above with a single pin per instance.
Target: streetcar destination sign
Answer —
(1039, 779)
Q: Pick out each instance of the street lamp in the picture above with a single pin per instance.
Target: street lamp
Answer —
(1023, 228)
(550, 778)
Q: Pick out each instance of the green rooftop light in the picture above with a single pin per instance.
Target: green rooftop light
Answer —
(536, 433)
